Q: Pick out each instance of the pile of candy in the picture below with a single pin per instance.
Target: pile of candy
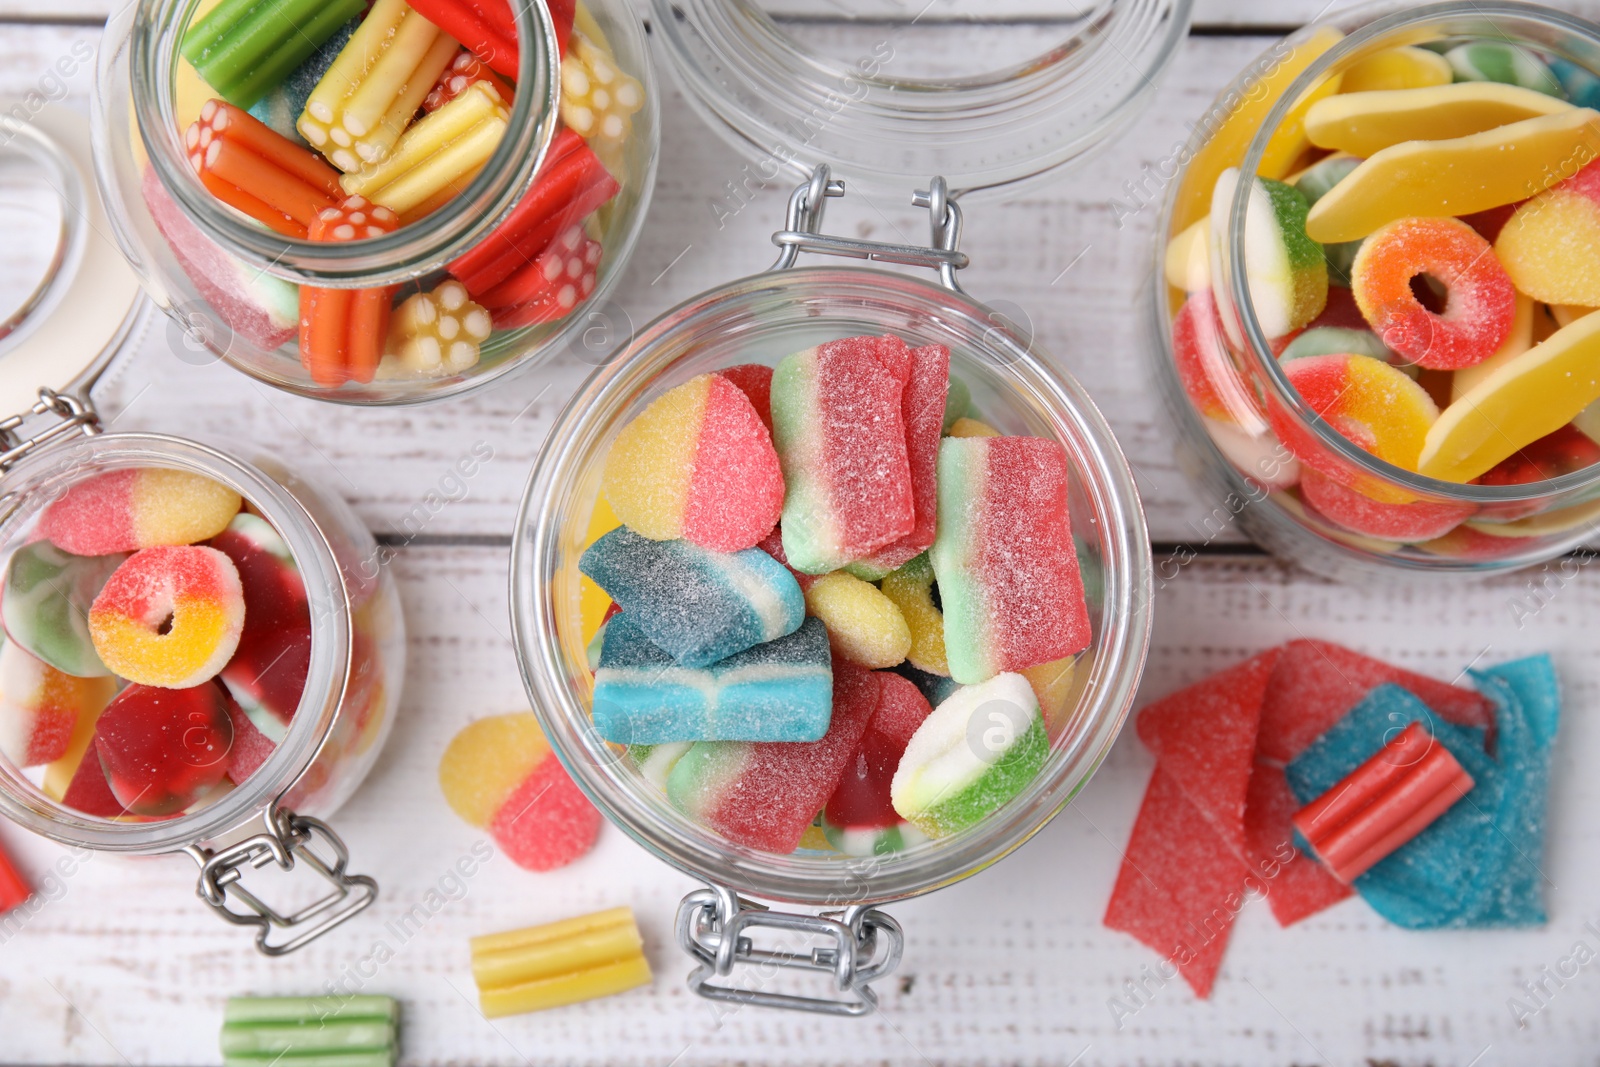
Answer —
(559, 963)
(157, 640)
(1422, 250)
(793, 562)
(1368, 763)
(345, 121)
(333, 1031)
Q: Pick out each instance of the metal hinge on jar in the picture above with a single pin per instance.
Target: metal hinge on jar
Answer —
(74, 417)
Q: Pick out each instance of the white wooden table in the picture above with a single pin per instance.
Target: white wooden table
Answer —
(123, 965)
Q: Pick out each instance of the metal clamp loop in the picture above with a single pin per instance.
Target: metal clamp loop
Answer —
(803, 230)
(75, 414)
(287, 841)
(861, 945)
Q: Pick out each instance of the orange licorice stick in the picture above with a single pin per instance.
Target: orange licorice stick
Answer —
(342, 331)
(248, 165)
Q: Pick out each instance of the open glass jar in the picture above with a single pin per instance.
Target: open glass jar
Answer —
(1303, 480)
(341, 622)
(519, 178)
(1016, 389)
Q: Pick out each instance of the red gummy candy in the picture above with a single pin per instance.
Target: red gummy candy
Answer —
(736, 490)
(922, 408)
(162, 749)
(546, 822)
(89, 792)
(1421, 520)
(861, 799)
(251, 747)
(754, 381)
(274, 650)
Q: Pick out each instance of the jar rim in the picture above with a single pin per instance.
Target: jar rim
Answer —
(329, 660)
(1123, 638)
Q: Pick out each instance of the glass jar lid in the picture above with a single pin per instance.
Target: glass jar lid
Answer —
(880, 95)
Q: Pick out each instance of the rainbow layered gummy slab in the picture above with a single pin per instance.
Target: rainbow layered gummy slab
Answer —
(1004, 557)
(169, 616)
(46, 604)
(922, 406)
(697, 464)
(838, 421)
(126, 510)
(778, 691)
(698, 606)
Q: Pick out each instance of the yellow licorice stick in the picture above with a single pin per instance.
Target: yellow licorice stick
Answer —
(437, 153)
(559, 963)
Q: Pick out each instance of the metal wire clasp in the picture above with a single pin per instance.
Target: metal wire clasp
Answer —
(803, 230)
(75, 415)
(286, 842)
(860, 945)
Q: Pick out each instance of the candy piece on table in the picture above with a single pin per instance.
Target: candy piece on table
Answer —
(922, 407)
(598, 99)
(1502, 62)
(1364, 124)
(1581, 86)
(1205, 369)
(1052, 684)
(571, 184)
(778, 691)
(1456, 176)
(465, 69)
(965, 427)
(1551, 246)
(41, 708)
(439, 333)
(342, 331)
(561, 278)
(1187, 262)
(655, 762)
(980, 748)
(1301, 886)
(281, 105)
(88, 791)
(911, 590)
(764, 795)
(864, 625)
(1396, 68)
(330, 1031)
(755, 382)
(1285, 269)
(839, 426)
(269, 667)
(370, 94)
(243, 48)
(860, 819)
(46, 604)
(1519, 338)
(1372, 404)
(559, 963)
(126, 510)
(1333, 340)
(1528, 397)
(1004, 557)
(698, 606)
(437, 157)
(13, 890)
(164, 748)
(169, 616)
(248, 166)
(1419, 520)
(251, 747)
(697, 464)
(1382, 804)
(546, 822)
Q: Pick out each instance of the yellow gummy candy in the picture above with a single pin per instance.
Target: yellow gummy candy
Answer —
(1188, 260)
(647, 471)
(1458, 176)
(97, 693)
(1567, 314)
(1052, 684)
(864, 626)
(1290, 142)
(911, 589)
(1518, 341)
(485, 762)
(559, 963)
(1530, 396)
(1551, 249)
(1397, 68)
(1364, 124)
(965, 427)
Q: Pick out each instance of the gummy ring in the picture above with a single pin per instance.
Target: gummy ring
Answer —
(170, 616)
(1479, 308)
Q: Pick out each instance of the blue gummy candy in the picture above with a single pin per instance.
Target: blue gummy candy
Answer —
(696, 605)
(1581, 86)
(778, 691)
(281, 107)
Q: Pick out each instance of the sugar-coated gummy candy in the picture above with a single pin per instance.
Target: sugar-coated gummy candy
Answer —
(699, 606)
(978, 750)
(41, 707)
(1052, 684)
(1200, 353)
(251, 747)
(280, 107)
(778, 691)
(126, 510)
(923, 409)
(164, 748)
(546, 822)
(169, 616)
(965, 427)
(860, 819)
(1551, 245)
(1420, 520)
(1405, 67)
(755, 382)
(1518, 340)
(1364, 124)
(911, 590)
(1333, 340)
(764, 795)
(1187, 260)
(1581, 86)
(1285, 270)
(58, 773)
(655, 762)
(697, 464)
(1007, 568)
(1504, 62)
(1370, 403)
(864, 625)
(46, 604)
(269, 667)
(934, 687)
(839, 424)
(88, 791)
(558, 963)
(1301, 886)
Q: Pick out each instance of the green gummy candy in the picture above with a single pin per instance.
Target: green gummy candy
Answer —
(1336, 340)
(1320, 178)
(46, 604)
(1508, 64)
(957, 402)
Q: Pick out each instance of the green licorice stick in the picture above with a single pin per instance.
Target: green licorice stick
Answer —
(295, 48)
(244, 47)
(319, 1059)
(298, 1039)
(309, 1009)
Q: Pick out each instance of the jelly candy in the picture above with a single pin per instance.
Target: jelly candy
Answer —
(1052, 684)
(1396, 68)
(1481, 304)
(922, 407)
(1260, 457)
(764, 795)
(1334, 340)
(1528, 397)
(488, 759)
(40, 707)
(1367, 123)
(547, 291)
(1420, 520)
(965, 427)
(269, 668)
(860, 819)
(242, 48)
(755, 382)
(864, 626)
(934, 687)
(465, 69)
(1317, 180)
(1205, 369)
(164, 748)
(697, 464)
(1551, 246)
(1287, 274)
(559, 963)
(1519, 338)
(546, 822)
(978, 750)
(342, 330)
(439, 333)
(655, 762)
(126, 510)
(1302, 886)
(957, 403)
(1007, 569)
(1580, 85)
(1562, 452)
(89, 792)
(1457, 176)
(1501, 61)
(1187, 262)
(778, 691)
(58, 774)
(281, 106)
(169, 616)
(338, 1030)
(697, 606)
(911, 590)
(1372, 404)
(248, 166)
(46, 604)
(251, 747)
(839, 425)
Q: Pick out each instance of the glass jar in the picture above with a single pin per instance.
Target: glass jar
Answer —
(1246, 434)
(1016, 388)
(867, 101)
(356, 658)
(238, 286)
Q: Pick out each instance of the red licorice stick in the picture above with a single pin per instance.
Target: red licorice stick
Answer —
(1388, 765)
(571, 185)
(342, 331)
(13, 890)
(551, 286)
(1419, 820)
(250, 166)
(488, 30)
(465, 69)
